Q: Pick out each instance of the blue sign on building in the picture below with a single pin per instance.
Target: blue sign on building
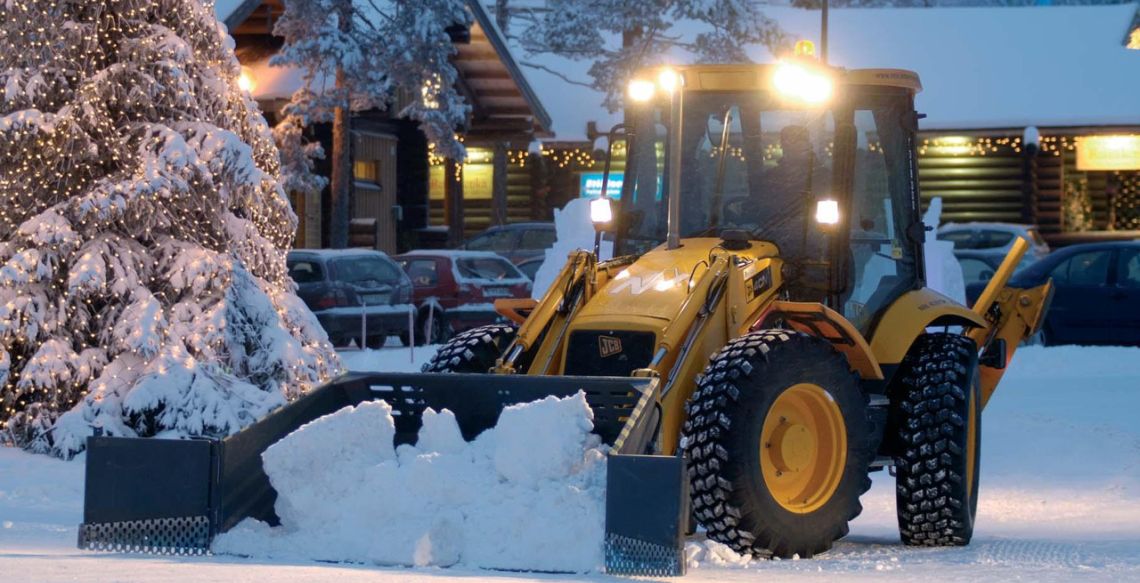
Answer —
(590, 185)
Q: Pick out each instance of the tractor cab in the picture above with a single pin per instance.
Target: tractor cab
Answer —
(816, 160)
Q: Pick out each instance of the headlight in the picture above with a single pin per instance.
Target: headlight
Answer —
(827, 212)
(668, 80)
(600, 211)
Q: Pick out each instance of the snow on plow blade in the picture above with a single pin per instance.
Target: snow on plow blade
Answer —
(174, 496)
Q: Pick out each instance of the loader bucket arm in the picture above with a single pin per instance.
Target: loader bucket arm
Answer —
(1012, 315)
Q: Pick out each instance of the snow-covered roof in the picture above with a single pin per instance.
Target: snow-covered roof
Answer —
(232, 12)
(497, 88)
(981, 67)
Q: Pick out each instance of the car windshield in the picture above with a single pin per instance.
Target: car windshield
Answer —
(486, 268)
(748, 162)
(366, 271)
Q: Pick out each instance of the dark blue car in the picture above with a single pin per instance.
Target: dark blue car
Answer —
(1097, 297)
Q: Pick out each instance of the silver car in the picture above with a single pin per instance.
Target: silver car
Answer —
(994, 239)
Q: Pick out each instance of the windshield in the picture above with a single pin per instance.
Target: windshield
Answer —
(749, 162)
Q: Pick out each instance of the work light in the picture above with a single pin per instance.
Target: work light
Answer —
(802, 82)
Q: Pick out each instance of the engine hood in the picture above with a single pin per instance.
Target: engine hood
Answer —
(657, 284)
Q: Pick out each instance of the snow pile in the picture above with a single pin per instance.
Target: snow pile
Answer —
(575, 231)
(943, 271)
(528, 494)
(709, 553)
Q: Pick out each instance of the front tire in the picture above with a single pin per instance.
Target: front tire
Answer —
(938, 413)
(779, 443)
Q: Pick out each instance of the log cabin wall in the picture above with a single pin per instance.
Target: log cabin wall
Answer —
(522, 203)
(979, 178)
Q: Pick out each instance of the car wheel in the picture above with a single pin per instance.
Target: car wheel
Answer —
(438, 333)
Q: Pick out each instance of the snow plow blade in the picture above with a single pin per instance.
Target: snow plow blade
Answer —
(174, 496)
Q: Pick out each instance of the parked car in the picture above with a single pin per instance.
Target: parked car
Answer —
(1097, 293)
(353, 293)
(530, 266)
(517, 241)
(995, 239)
(456, 290)
(978, 266)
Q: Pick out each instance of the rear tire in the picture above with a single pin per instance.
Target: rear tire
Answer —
(779, 442)
(938, 415)
(472, 351)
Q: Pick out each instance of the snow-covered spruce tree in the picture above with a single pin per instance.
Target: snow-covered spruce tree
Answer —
(143, 288)
(622, 36)
(372, 54)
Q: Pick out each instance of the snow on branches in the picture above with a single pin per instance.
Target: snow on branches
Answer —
(143, 231)
(622, 36)
(389, 53)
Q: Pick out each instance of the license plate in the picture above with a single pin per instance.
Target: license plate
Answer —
(496, 292)
(372, 299)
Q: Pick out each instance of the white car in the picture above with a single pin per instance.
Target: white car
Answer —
(994, 238)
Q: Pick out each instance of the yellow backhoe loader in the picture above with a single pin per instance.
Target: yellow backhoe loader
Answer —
(762, 339)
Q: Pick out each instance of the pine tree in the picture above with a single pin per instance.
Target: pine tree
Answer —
(372, 54)
(143, 233)
(1077, 209)
(622, 36)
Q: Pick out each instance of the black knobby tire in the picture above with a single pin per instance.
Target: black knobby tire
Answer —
(722, 433)
(933, 410)
(472, 351)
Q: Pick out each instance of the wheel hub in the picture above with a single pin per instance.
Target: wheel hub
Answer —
(803, 448)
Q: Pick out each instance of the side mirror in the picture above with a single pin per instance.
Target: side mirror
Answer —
(916, 232)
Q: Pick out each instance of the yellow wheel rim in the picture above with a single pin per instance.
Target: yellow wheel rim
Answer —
(971, 444)
(803, 448)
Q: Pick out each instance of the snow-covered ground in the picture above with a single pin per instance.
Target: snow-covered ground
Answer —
(1060, 500)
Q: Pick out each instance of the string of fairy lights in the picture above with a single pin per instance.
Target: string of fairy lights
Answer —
(130, 157)
(578, 158)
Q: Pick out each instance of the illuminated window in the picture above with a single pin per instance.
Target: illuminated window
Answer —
(366, 170)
